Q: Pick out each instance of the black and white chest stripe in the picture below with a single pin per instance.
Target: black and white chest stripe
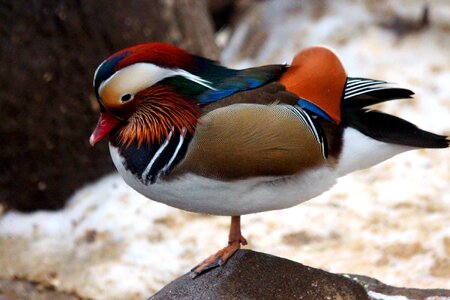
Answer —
(150, 162)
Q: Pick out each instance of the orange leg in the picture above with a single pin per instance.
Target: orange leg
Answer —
(235, 240)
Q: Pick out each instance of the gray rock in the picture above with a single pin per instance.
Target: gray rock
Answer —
(254, 275)
(376, 288)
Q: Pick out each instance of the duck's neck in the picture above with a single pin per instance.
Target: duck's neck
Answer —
(148, 162)
(155, 138)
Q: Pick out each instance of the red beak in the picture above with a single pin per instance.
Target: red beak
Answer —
(106, 123)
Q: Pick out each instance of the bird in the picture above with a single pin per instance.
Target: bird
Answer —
(193, 134)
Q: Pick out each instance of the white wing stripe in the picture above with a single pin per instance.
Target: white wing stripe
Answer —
(351, 83)
(356, 93)
(364, 88)
(348, 89)
(309, 125)
(306, 119)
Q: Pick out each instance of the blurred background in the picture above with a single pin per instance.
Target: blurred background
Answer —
(69, 224)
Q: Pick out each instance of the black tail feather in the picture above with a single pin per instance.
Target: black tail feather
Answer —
(362, 92)
(376, 96)
(390, 129)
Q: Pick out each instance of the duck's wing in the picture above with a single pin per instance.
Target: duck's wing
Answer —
(242, 141)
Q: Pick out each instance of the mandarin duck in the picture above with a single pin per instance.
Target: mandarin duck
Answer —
(198, 136)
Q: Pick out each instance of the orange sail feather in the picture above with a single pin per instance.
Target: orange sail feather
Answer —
(317, 75)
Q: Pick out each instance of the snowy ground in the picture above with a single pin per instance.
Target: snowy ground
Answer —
(391, 222)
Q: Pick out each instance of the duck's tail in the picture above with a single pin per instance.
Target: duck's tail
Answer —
(318, 78)
(360, 93)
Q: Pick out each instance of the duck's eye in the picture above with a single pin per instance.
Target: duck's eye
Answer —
(126, 97)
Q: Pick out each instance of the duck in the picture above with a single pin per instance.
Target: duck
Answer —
(193, 134)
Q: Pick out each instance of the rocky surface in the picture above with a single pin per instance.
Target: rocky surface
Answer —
(254, 275)
(379, 291)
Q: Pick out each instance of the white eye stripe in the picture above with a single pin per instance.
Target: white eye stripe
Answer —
(139, 76)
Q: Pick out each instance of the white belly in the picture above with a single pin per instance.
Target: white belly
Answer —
(199, 194)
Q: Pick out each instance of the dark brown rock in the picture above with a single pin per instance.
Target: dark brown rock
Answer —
(375, 286)
(48, 53)
(254, 275)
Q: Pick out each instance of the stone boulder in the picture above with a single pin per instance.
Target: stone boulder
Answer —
(254, 275)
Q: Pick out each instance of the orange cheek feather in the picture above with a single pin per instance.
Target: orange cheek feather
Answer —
(159, 109)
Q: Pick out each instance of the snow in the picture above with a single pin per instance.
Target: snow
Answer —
(391, 222)
(379, 296)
